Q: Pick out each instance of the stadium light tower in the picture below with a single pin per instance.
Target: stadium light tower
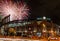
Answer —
(44, 17)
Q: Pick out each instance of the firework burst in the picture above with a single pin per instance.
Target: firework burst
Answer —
(17, 11)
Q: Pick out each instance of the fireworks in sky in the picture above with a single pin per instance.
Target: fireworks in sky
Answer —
(16, 10)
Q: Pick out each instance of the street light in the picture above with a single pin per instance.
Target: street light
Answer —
(35, 30)
(44, 30)
(25, 30)
(44, 25)
(52, 32)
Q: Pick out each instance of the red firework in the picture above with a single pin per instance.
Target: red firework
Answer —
(17, 11)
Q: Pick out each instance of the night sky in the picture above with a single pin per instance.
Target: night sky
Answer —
(48, 8)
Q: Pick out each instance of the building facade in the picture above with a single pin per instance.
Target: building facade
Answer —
(39, 28)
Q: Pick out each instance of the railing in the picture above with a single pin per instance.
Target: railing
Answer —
(9, 39)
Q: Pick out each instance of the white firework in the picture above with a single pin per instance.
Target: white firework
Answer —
(17, 11)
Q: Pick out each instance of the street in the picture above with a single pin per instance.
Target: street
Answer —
(25, 39)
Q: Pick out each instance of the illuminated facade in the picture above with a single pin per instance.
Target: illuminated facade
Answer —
(29, 28)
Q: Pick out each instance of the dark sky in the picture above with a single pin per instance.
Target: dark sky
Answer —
(49, 8)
